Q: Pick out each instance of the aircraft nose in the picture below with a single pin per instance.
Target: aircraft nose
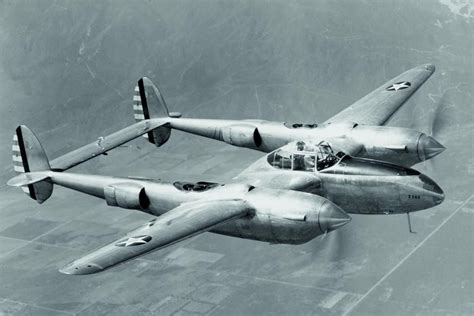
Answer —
(428, 147)
(438, 194)
(332, 217)
(433, 189)
(438, 199)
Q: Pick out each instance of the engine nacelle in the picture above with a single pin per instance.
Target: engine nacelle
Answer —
(282, 216)
(389, 143)
(242, 135)
(127, 195)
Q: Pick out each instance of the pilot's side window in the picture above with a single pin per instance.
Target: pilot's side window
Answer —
(280, 160)
(304, 162)
(298, 162)
(309, 162)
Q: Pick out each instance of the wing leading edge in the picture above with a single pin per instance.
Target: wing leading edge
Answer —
(185, 221)
(377, 107)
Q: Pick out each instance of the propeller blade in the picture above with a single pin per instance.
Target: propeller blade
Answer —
(324, 236)
(441, 116)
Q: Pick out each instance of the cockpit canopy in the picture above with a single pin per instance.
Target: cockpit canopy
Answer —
(304, 156)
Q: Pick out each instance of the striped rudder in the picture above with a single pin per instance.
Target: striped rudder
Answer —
(29, 156)
(18, 164)
(138, 111)
(148, 103)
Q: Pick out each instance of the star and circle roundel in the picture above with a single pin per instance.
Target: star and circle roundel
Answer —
(133, 241)
(398, 86)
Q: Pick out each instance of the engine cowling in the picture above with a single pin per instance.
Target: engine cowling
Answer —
(287, 216)
(127, 195)
(242, 135)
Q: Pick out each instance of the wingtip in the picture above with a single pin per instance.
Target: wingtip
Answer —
(429, 67)
(81, 269)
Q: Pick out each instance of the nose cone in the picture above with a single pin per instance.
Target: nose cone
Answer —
(437, 195)
(332, 217)
(438, 199)
(432, 189)
(428, 147)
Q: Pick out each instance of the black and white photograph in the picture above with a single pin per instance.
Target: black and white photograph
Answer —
(237, 157)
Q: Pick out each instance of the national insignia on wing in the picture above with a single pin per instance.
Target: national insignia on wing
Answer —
(133, 241)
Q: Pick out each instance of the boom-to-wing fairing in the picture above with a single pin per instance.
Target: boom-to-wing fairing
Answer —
(291, 195)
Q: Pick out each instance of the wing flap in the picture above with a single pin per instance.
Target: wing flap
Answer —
(104, 144)
(181, 223)
(377, 107)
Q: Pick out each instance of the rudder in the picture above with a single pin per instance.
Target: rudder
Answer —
(29, 156)
(148, 103)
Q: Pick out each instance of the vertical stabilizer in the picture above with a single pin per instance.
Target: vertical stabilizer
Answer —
(148, 103)
(29, 156)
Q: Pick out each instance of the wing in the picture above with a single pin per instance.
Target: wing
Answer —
(345, 145)
(183, 222)
(379, 105)
(104, 144)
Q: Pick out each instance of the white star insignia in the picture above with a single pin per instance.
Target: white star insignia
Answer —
(133, 241)
(399, 86)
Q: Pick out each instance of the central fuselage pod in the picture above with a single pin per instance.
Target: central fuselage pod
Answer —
(358, 185)
(369, 187)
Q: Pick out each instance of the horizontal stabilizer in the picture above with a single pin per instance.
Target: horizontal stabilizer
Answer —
(27, 178)
(106, 143)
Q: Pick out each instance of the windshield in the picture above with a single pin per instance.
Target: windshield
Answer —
(304, 156)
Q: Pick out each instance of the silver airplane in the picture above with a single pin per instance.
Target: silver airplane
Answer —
(299, 191)
(358, 130)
